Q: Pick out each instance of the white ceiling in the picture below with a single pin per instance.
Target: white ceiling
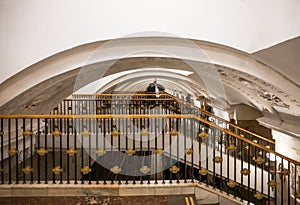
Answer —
(35, 29)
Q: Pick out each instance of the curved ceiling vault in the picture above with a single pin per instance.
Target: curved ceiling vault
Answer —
(222, 73)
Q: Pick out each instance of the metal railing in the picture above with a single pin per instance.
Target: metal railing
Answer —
(166, 140)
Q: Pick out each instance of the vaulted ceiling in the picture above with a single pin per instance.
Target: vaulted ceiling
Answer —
(242, 54)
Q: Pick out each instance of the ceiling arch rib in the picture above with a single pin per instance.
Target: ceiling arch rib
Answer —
(81, 57)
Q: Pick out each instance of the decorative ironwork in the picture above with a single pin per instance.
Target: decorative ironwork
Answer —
(259, 160)
(255, 141)
(258, 195)
(174, 169)
(100, 152)
(173, 133)
(159, 151)
(231, 147)
(231, 183)
(218, 159)
(285, 172)
(203, 135)
(130, 152)
(27, 170)
(27, 133)
(145, 169)
(245, 172)
(71, 152)
(56, 133)
(189, 151)
(85, 170)
(203, 171)
(85, 133)
(42, 151)
(1, 170)
(115, 170)
(13, 151)
(272, 184)
(115, 133)
(144, 132)
(57, 170)
(1, 133)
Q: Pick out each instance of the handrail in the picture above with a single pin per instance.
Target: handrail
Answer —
(108, 116)
(179, 100)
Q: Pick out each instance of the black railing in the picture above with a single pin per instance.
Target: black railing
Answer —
(136, 140)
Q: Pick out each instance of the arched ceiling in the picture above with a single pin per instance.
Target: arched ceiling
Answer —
(34, 30)
(238, 52)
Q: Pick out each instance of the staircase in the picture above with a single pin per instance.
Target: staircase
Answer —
(139, 138)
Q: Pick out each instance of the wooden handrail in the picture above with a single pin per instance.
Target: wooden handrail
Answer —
(189, 116)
